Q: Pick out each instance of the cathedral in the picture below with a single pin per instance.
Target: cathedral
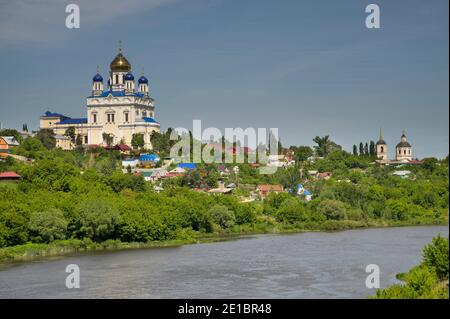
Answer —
(115, 112)
(403, 150)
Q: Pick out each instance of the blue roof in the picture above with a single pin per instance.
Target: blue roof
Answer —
(143, 80)
(51, 114)
(299, 186)
(149, 158)
(97, 78)
(128, 77)
(119, 93)
(306, 192)
(73, 121)
(149, 120)
(187, 165)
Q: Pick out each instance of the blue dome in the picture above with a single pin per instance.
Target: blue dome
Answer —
(143, 80)
(128, 77)
(97, 78)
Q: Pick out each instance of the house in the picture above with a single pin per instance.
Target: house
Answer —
(11, 140)
(149, 158)
(187, 166)
(64, 142)
(324, 175)
(223, 170)
(402, 174)
(132, 162)
(221, 189)
(158, 189)
(277, 161)
(264, 189)
(157, 174)
(123, 148)
(9, 176)
(301, 191)
(178, 170)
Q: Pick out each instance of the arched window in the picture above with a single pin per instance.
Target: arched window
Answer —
(400, 152)
(404, 152)
(117, 79)
(382, 149)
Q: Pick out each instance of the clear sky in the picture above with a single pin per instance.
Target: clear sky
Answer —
(306, 67)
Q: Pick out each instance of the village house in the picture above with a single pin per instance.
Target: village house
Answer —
(265, 189)
(9, 176)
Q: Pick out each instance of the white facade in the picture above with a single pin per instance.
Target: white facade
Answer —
(403, 150)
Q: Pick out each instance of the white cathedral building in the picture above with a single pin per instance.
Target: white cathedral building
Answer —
(118, 111)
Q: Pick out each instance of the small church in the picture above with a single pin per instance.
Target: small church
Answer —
(403, 150)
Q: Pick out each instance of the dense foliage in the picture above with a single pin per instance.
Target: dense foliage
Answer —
(427, 280)
(83, 194)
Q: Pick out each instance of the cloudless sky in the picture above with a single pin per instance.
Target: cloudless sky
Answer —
(306, 67)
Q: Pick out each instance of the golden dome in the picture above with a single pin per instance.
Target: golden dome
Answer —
(120, 64)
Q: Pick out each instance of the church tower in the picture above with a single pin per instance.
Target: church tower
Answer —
(97, 84)
(403, 150)
(120, 67)
(382, 149)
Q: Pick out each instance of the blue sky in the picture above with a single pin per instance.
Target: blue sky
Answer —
(306, 67)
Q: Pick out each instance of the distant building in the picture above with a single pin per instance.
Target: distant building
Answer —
(115, 112)
(302, 191)
(265, 189)
(9, 176)
(403, 150)
(382, 148)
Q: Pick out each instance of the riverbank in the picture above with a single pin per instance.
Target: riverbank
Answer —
(34, 251)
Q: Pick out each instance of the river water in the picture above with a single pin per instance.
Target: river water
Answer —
(307, 265)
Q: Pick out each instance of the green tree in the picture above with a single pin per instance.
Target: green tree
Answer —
(332, 209)
(302, 153)
(48, 225)
(70, 132)
(291, 211)
(31, 147)
(97, 219)
(222, 216)
(355, 150)
(137, 141)
(435, 255)
(79, 140)
(361, 149)
(325, 146)
(108, 138)
(366, 149)
(47, 138)
(372, 150)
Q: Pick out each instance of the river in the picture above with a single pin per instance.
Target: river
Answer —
(306, 265)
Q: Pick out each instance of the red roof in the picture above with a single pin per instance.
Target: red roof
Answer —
(273, 188)
(123, 147)
(9, 175)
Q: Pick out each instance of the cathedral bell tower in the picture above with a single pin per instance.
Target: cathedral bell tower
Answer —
(382, 149)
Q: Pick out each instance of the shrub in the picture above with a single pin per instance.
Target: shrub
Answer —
(332, 209)
(48, 226)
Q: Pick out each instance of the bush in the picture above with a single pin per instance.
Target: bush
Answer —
(222, 216)
(332, 209)
(435, 255)
(291, 211)
(47, 226)
(96, 219)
